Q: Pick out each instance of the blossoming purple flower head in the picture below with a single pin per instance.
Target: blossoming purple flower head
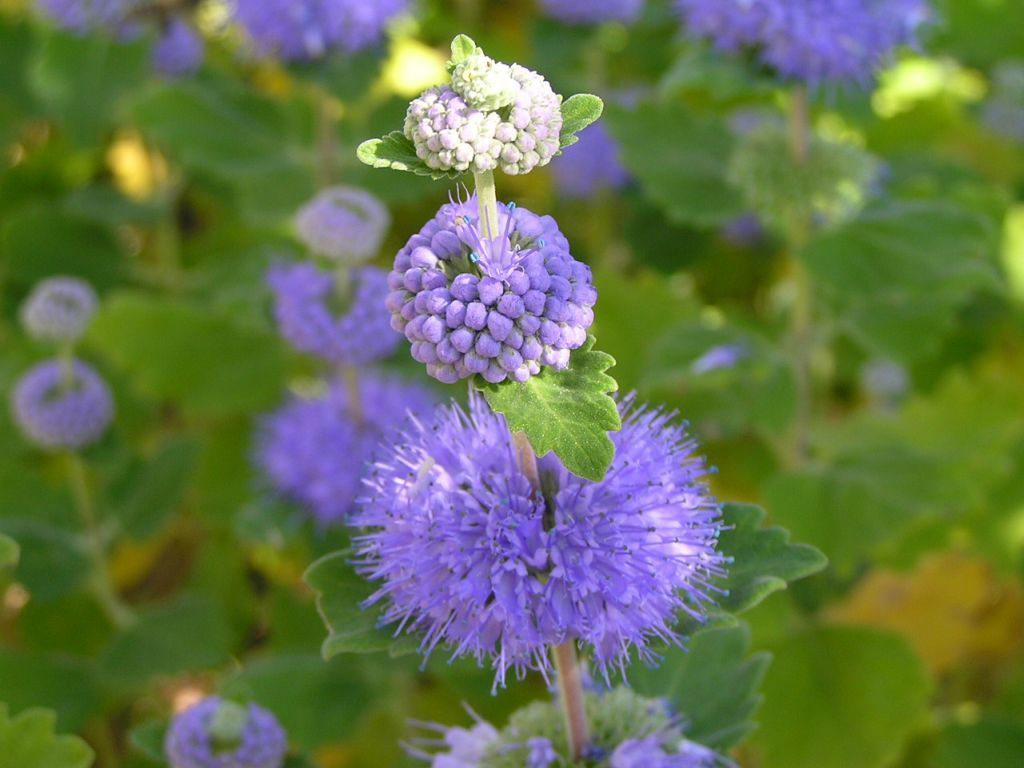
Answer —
(302, 307)
(179, 50)
(467, 554)
(500, 306)
(221, 734)
(589, 165)
(59, 309)
(61, 409)
(315, 450)
(817, 41)
(593, 11)
(344, 224)
(462, 130)
(308, 29)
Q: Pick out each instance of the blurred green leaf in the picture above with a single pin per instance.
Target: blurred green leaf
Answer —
(53, 562)
(82, 79)
(15, 98)
(578, 111)
(837, 697)
(66, 684)
(713, 684)
(317, 703)
(148, 739)
(763, 560)
(187, 635)
(569, 412)
(204, 361)
(680, 158)
(29, 740)
(151, 490)
(340, 595)
(992, 742)
(9, 551)
(898, 273)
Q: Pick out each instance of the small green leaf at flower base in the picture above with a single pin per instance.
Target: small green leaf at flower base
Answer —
(29, 741)
(340, 593)
(578, 112)
(763, 559)
(396, 151)
(8, 551)
(569, 412)
(463, 47)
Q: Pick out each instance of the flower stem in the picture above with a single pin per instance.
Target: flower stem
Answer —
(119, 614)
(570, 690)
(487, 198)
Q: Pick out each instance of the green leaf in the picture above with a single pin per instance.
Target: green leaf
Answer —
(317, 703)
(578, 111)
(205, 361)
(53, 562)
(462, 48)
(680, 159)
(150, 492)
(897, 275)
(187, 635)
(148, 738)
(569, 412)
(351, 628)
(64, 683)
(713, 684)
(763, 560)
(397, 152)
(992, 742)
(9, 551)
(30, 741)
(837, 697)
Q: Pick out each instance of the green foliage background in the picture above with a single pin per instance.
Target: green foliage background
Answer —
(172, 197)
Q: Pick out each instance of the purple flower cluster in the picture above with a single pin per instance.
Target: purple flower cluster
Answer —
(469, 555)
(593, 11)
(817, 41)
(498, 306)
(219, 734)
(62, 406)
(315, 451)
(87, 15)
(589, 165)
(303, 297)
(299, 30)
(180, 49)
(59, 309)
(650, 752)
(450, 134)
(344, 224)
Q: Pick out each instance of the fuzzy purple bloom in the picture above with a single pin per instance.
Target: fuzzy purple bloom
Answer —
(650, 752)
(302, 307)
(816, 41)
(501, 306)
(344, 224)
(593, 11)
(219, 734)
(591, 164)
(57, 408)
(299, 30)
(180, 49)
(59, 309)
(468, 555)
(316, 450)
(451, 135)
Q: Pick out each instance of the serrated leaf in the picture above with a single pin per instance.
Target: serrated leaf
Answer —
(9, 551)
(29, 740)
(463, 47)
(837, 697)
(396, 151)
(763, 560)
(340, 595)
(713, 684)
(569, 412)
(578, 111)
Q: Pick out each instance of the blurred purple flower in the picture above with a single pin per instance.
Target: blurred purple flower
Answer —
(590, 165)
(344, 224)
(468, 555)
(219, 734)
(720, 356)
(303, 297)
(60, 409)
(59, 309)
(88, 15)
(593, 11)
(315, 451)
(180, 49)
(650, 752)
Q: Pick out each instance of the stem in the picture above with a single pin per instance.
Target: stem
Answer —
(326, 140)
(487, 197)
(353, 394)
(66, 355)
(799, 125)
(119, 614)
(570, 690)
